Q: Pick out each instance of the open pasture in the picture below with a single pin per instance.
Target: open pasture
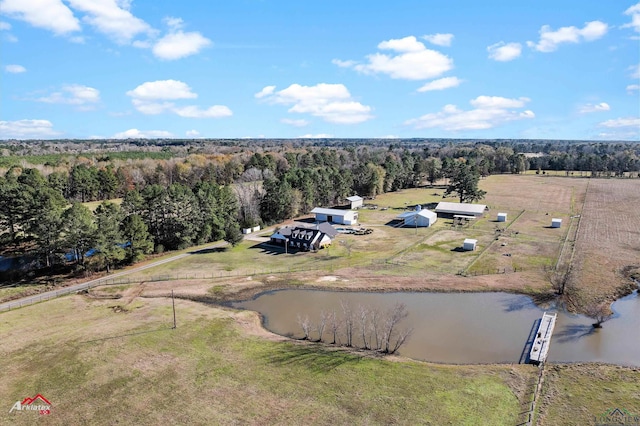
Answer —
(608, 238)
(99, 365)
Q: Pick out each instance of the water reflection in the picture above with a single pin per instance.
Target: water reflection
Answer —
(468, 327)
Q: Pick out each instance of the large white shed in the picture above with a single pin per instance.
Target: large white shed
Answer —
(344, 217)
(556, 223)
(502, 217)
(446, 209)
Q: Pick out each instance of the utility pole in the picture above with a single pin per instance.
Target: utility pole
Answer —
(173, 302)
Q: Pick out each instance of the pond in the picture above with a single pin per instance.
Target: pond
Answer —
(467, 327)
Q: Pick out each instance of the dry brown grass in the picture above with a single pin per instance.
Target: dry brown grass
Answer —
(608, 238)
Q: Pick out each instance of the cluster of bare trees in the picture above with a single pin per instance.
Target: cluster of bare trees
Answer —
(361, 327)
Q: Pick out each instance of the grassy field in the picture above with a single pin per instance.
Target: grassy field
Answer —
(608, 239)
(99, 365)
(524, 243)
(576, 394)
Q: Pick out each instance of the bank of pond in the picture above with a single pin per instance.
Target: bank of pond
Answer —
(462, 328)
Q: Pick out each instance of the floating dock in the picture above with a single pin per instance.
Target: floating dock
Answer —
(542, 339)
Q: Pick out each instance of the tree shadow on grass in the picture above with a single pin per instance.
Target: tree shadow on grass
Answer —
(128, 335)
(209, 250)
(314, 358)
(573, 332)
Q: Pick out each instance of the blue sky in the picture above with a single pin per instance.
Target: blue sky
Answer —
(287, 69)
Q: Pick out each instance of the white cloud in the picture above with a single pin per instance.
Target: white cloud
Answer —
(331, 102)
(15, 69)
(620, 135)
(265, 92)
(143, 134)
(587, 108)
(635, 71)
(52, 15)
(413, 61)
(407, 44)
(634, 11)
(504, 52)
(295, 123)
(112, 18)
(622, 122)
(549, 40)
(26, 129)
(5, 26)
(439, 39)
(192, 111)
(173, 23)
(343, 64)
(162, 89)
(154, 97)
(316, 136)
(498, 102)
(73, 94)
(192, 133)
(441, 84)
(489, 112)
(179, 44)
(633, 87)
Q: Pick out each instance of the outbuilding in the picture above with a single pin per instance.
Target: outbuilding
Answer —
(344, 217)
(469, 244)
(418, 218)
(502, 217)
(445, 209)
(556, 223)
(355, 201)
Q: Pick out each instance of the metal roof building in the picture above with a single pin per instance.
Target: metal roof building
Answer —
(450, 209)
(355, 201)
(419, 217)
(344, 217)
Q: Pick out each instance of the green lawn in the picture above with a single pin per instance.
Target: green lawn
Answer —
(97, 367)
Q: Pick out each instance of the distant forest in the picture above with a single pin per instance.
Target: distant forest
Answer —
(172, 194)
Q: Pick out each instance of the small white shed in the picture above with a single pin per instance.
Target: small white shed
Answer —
(556, 223)
(469, 244)
(502, 217)
(355, 201)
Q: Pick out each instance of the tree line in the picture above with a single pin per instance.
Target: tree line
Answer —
(39, 221)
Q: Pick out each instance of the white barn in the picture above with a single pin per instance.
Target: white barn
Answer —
(556, 223)
(355, 201)
(445, 209)
(419, 217)
(502, 217)
(344, 217)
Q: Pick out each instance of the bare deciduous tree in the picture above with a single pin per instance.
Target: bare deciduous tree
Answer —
(374, 327)
(394, 316)
(305, 324)
(324, 317)
(600, 312)
(363, 318)
(334, 326)
(348, 320)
